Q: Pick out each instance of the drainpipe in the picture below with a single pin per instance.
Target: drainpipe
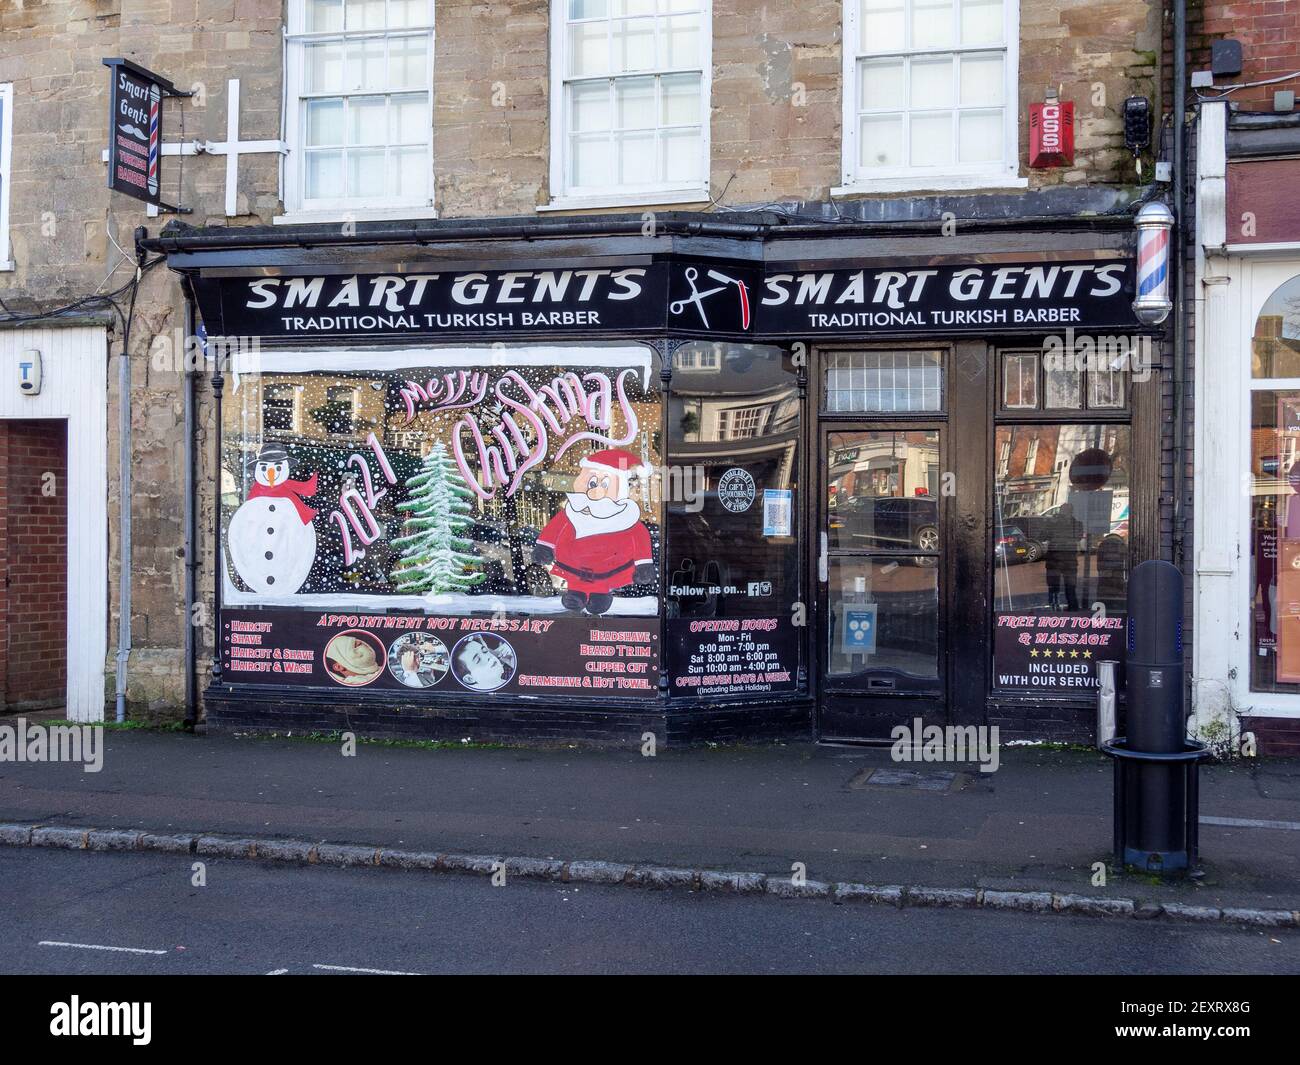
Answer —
(191, 354)
(1178, 293)
(124, 494)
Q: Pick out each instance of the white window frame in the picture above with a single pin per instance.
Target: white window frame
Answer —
(617, 196)
(6, 170)
(954, 177)
(292, 178)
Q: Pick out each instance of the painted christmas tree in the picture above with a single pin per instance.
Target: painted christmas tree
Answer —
(434, 558)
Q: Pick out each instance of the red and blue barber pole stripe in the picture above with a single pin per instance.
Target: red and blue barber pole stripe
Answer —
(1154, 223)
(154, 110)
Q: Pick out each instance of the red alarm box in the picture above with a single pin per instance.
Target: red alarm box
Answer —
(1051, 134)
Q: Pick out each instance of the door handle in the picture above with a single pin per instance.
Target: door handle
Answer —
(822, 571)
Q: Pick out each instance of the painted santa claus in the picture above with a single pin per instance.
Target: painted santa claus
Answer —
(598, 543)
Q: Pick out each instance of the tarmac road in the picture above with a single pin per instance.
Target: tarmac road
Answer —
(260, 918)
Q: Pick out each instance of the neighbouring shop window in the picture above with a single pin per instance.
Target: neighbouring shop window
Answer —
(930, 89)
(883, 504)
(1274, 496)
(884, 381)
(358, 115)
(451, 519)
(631, 97)
(1098, 371)
(731, 495)
(1060, 553)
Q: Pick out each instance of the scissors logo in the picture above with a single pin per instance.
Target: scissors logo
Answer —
(698, 295)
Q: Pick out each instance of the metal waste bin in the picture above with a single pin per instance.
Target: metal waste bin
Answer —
(1107, 700)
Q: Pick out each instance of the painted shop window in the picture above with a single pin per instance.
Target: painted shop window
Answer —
(1060, 554)
(1274, 499)
(6, 169)
(441, 519)
(358, 118)
(891, 382)
(731, 495)
(630, 113)
(931, 90)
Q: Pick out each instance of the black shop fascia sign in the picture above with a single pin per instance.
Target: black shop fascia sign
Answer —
(688, 298)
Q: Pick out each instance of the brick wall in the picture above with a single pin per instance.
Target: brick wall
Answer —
(1269, 32)
(33, 562)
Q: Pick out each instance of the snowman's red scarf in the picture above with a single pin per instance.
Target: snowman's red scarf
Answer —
(292, 490)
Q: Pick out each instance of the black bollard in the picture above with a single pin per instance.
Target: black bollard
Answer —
(1156, 804)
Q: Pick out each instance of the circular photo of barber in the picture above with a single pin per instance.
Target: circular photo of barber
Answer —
(354, 658)
(483, 662)
(418, 660)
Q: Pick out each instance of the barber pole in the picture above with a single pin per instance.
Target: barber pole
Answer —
(1154, 223)
(155, 102)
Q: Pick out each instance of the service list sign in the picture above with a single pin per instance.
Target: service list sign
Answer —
(450, 655)
(135, 134)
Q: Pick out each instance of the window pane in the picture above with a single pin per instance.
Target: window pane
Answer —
(931, 141)
(931, 83)
(897, 381)
(981, 137)
(883, 87)
(681, 153)
(634, 104)
(1020, 382)
(981, 80)
(880, 141)
(409, 171)
(1063, 389)
(636, 158)
(590, 165)
(324, 175)
(589, 106)
(882, 491)
(408, 119)
(632, 42)
(324, 122)
(588, 8)
(1275, 348)
(588, 48)
(931, 23)
(365, 14)
(1275, 533)
(408, 13)
(324, 16)
(324, 67)
(366, 173)
(1061, 553)
(981, 22)
(366, 120)
(681, 41)
(882, 25)
(407, 58)
(899, 605)
(366, 64)
(1105, 389)
(681, 99)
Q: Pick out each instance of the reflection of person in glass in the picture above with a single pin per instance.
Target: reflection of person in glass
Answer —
(484, 663)
(1063, 533)
(598, 543)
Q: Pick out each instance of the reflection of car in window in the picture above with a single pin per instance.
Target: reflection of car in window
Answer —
(1013, 546)
(887, 521)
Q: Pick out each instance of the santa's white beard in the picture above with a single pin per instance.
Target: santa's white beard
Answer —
(592, 517)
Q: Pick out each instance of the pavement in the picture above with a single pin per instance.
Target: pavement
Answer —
(79, 914)
(1040, 823)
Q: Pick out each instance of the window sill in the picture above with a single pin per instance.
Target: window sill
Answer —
(360, 214)
(7, 265)
(937, 183)
(679, 197)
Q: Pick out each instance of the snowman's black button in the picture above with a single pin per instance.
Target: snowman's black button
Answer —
(271, 508)
(269, 556)
(270, 580)
(270, 531)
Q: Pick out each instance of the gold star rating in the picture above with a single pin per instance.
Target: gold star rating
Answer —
(1033, 653)
(1074, 654)
(1087, 654)
(1060, 654)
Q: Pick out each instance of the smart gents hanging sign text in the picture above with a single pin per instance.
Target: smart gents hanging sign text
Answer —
(675, 297)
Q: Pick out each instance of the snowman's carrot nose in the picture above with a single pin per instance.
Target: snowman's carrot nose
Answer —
(270, 475)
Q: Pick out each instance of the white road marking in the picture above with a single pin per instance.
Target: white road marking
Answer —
(1250, 822)
(98, 946)
(277, 972)
(370, 972)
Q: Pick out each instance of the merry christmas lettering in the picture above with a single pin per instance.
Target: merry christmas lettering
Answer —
(530, 418)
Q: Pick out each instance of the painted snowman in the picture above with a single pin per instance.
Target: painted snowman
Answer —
(271, 538)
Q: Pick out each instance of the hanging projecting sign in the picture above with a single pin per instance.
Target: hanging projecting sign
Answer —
(690, 299)
(135, 130)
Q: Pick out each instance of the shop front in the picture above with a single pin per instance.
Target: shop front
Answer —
(719, 481)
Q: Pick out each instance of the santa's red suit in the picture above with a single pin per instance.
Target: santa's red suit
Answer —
(596, 555)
